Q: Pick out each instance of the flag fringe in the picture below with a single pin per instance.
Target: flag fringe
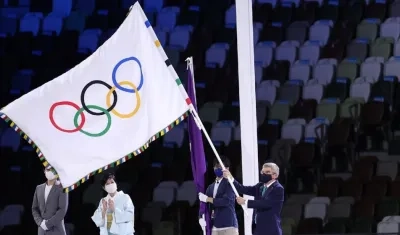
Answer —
(138, 151)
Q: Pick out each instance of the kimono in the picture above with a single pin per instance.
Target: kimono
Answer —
(122, 218)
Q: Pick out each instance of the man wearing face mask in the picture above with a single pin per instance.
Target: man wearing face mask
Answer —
(268, 200)
(50, 205)
(221, 199)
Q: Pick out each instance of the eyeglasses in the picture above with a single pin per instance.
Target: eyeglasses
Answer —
(267, 173)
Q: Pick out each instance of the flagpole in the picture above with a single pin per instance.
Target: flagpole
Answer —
(200, 125)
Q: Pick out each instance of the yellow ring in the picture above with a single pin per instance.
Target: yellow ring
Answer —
(116, 113)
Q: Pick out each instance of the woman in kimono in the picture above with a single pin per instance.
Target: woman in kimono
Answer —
(115, 214)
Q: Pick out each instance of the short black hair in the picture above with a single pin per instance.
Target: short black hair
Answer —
(106, 177)
(224, 160)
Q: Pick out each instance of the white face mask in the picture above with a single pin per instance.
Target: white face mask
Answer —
(50, 175)
(111, 188)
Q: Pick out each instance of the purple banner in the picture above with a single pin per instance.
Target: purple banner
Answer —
(197, 154)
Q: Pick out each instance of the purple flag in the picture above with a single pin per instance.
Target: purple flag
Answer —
(197, 152)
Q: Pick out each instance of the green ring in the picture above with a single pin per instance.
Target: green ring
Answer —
(97, 108)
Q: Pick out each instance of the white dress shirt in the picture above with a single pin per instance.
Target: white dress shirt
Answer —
(47, 191)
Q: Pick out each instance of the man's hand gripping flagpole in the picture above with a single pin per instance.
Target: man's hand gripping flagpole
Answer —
(200, 125)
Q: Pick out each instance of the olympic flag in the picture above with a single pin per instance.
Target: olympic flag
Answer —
(105, 110)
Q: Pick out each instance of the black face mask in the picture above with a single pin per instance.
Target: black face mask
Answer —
(265, 178)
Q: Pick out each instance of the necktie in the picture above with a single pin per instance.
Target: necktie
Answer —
(264, 189)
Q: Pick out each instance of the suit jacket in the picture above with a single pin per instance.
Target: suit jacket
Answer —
(267, 208)
(53, 210)
(223, 205)
(123, 216)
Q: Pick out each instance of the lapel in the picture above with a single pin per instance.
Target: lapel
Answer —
(41, 195)
(269, 189)
(50, 193)
(221, 184)
(210, 190)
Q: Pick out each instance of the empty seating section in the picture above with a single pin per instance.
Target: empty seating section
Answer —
(326, 74)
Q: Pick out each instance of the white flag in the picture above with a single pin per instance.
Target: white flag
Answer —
(105, 110)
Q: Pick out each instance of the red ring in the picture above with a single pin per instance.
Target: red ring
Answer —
(51, 116)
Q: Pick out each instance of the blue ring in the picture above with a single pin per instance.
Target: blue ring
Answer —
(114, 75)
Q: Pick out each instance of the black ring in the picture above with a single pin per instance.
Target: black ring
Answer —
(84, 92)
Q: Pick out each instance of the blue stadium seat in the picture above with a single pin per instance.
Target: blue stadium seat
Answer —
(86, 7)
(10, 139)
(89, 40)
(21, 82)
(230, 17)
(17, 11)
(52, 24)
(24, 3)
(76, 21)
(31, 23)
(166, 20)
(174, 9)
(125, 4)
(153, 5)
(216, 55)
(271, 2)
(179, 38)
(62, 8)
(8, 25)
(162, 36)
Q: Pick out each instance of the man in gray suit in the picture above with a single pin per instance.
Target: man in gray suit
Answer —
(49, 206)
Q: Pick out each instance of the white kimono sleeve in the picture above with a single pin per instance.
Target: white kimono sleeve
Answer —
(124, 215)
(97, 216)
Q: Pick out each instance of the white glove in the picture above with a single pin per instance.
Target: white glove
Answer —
(202, 222)
(43, 225)
(203, 197)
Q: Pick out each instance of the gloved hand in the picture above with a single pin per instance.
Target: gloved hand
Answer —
(202, 222)
(202, 197)
(43, 225)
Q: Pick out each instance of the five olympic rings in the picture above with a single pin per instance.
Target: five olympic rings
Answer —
(101, 111)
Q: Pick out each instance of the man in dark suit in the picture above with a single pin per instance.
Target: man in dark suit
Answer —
(268, 200)
(50, 205)
(221, 199)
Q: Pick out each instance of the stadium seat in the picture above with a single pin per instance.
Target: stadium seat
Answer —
(187, 192)
(222, 132)
(358, 49)
(320, 31)
(297, 31)
(324, 71)
(85, 7)
(10, 139)
(76, 21)
(310, 51)
(313, 91)
(179, 38)
(266, 92)
(61, 8)
(287, 51)
(216, 55)
(263, 53)
(12, 215)
(52, 24)
(165, 192)
(88, 40)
